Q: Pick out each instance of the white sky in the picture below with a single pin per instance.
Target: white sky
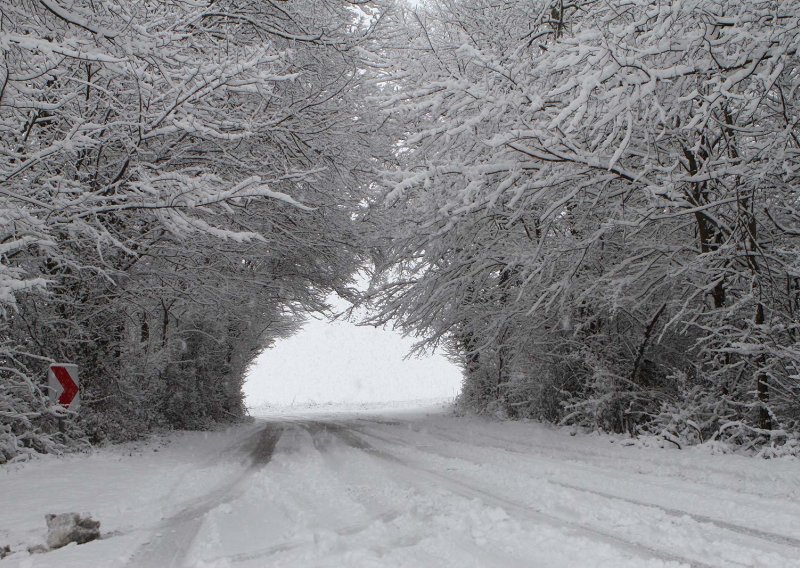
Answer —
(342, 362)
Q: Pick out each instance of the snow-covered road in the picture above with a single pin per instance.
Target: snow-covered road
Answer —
(416, 490)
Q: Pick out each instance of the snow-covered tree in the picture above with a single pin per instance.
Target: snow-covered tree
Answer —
(177, 180)
(597, 207)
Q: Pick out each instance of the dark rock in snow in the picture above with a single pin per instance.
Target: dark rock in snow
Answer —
(70, 527)
(4, 551)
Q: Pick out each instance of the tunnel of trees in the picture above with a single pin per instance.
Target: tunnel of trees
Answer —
(593, 206)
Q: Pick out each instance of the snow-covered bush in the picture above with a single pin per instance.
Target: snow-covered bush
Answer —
(28, 422)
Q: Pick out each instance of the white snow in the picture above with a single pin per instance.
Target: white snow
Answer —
(343, 362)
(394, 485)
(336, 409)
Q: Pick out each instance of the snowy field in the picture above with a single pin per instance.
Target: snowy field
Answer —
(393, 485)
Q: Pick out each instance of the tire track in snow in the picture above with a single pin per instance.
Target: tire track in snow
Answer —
(291, 545)
(469, 491)
(330, 435)
(780, 539)
(771, 538)
(316, 430)
(746, 531)
(174, 535)
(590, 460)
(578, 460)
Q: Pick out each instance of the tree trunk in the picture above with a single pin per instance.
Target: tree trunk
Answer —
(762, 381)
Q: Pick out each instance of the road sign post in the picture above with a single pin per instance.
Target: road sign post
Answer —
(64, 385)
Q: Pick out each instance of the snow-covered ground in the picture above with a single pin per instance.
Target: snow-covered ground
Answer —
(336, 409)
(381, 486)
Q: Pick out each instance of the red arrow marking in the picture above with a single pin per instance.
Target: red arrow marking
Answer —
(70, 388)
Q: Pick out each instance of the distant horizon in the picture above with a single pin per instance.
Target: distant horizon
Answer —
(340, 362)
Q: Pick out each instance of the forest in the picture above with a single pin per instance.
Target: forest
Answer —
(592, 206)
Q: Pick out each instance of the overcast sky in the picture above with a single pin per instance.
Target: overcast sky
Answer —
(342, 362)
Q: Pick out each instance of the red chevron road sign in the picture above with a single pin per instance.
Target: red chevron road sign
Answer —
(64, 385)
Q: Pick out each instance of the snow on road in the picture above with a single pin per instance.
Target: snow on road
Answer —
(405, 488)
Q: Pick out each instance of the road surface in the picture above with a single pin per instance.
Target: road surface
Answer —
(409, 492)
(433, 490)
